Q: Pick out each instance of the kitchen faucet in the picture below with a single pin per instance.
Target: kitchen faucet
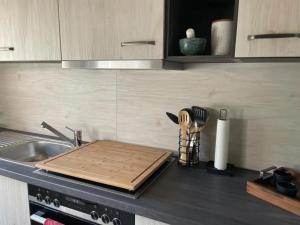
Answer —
(77, 134)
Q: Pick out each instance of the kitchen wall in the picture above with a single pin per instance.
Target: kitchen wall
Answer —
(130, 106)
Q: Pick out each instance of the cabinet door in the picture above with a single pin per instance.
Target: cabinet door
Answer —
(29, 30)
(14, 204)
(275, 24)
(89, 29)
(141, 24)
(139, 220)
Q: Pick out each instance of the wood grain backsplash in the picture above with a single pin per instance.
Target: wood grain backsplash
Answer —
(32, 93)
(130, 106)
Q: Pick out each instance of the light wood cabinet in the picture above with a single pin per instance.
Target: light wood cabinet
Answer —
(142, 21)
(29, 30)
(276, 22)
(139, 220)
(111, 29)
(14, 205)
(89, 29)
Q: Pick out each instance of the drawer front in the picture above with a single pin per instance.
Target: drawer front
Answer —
(268, 28)
(14, 206)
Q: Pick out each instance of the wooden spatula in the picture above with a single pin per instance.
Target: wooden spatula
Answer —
(185, 121)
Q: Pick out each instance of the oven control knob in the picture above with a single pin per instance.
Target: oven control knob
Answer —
(94, 215)
(56, 203)
(116, 221)
(47, 200)
(39, 197)
(105, 218)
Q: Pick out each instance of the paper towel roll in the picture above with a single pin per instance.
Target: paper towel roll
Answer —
(222, 141)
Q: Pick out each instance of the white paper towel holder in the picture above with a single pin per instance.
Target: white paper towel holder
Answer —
(229, 171)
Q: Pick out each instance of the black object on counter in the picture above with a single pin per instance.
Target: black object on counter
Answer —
(192, 147)
(283, 182)
(287, 188)
(210, 168)
(282, 175)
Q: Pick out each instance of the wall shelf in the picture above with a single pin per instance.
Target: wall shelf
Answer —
(184, 14)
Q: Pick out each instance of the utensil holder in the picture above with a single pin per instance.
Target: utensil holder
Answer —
(192, 148)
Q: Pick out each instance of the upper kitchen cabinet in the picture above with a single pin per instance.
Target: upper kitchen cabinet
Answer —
(89, 29)
(141, 28)
(268, 28)
(29, 30)
(112, 29)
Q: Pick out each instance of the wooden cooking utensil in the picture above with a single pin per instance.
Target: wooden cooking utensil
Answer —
(185, 121)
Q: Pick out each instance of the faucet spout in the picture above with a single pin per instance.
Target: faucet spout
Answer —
(56, 132)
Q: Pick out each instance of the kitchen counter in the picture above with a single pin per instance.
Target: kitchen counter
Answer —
(179, 196)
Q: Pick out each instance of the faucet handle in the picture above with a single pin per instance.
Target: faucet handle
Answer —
(74, 131)
(77, 136)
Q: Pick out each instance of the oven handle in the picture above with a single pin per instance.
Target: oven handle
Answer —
(37, 217)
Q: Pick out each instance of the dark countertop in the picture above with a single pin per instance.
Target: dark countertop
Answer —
(179, 196)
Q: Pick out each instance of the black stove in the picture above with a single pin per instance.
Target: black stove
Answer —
(70, 210)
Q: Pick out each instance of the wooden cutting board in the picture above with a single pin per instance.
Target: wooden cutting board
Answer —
(112, 163)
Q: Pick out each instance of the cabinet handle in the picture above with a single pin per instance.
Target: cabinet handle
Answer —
(273, 36)
(132, 43)
(7, 49)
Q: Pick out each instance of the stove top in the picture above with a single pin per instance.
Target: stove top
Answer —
(110, 189)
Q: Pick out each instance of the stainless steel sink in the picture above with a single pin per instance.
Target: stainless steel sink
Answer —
(34, 150)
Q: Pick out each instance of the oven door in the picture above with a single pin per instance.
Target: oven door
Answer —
(39, 213)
